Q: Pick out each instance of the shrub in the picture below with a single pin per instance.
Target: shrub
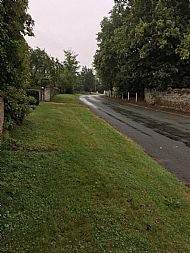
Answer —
(34, 94)
(17, 106)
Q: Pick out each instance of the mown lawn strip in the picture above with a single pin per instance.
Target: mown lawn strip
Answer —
(71, 183)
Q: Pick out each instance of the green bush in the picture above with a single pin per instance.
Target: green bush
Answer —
(15, 24)
(17, 106)
(34, 94)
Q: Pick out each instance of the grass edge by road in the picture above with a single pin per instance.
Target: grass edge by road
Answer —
(80, 186)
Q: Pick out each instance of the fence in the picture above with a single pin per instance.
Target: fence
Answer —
(134, 96)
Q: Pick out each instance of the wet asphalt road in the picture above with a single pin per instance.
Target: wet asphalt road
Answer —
(164, 136)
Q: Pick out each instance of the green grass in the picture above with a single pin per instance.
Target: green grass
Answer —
(70, 183)
(67, 99)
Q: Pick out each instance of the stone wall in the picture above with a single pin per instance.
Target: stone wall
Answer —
(48, 92)
(1, 118)
(177, 99)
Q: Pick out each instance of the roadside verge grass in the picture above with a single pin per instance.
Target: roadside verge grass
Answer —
(71, 183)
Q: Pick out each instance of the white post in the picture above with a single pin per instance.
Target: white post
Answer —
(136, 97)
(128, 96)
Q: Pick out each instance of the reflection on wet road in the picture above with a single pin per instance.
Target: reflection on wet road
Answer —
(164, 136)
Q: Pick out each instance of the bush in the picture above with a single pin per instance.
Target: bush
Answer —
(17, 106)
(36, 95)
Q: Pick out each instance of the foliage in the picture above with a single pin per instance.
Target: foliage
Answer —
(145, 44)
(105, 58)
(100, 87)
(44, 67)
(17, 105)
(34, 94)
(71, 82)
(15, 23)
(80, 186)
(88, 80)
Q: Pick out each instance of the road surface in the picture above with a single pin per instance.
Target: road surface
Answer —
(164, 136)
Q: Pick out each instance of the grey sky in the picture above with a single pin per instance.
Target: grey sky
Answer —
(68, 24)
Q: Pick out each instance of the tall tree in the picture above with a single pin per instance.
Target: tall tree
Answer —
(145, 44)
(15, 23)
(70, 72)
(105, 59)
(88, 80)
(43, 66)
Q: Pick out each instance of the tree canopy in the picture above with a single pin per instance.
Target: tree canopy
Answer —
(43, 66)
(88, 80)
(15, 23)
(70, 72)
(65, 74)
(145, 44)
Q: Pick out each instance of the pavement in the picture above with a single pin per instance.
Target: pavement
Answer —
(164, 136)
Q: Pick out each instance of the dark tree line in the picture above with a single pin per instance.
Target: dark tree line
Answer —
(65, 75)
(145, 44)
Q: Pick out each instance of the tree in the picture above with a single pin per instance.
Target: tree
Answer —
(145, 44)
(105, 60)
(43, 66)
(64, 74)
(165, 32)
(88, 81)
(40, 66)
(56, 72)
(70, 73)
(15, 23)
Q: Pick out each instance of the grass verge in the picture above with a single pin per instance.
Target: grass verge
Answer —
(71, 183)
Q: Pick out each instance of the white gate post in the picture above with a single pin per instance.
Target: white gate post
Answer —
(136, 97)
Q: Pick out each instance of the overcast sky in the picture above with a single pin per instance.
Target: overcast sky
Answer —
(68, 24)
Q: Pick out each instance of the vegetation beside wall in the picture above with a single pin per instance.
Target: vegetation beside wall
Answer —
(15, 23)
(145, 44)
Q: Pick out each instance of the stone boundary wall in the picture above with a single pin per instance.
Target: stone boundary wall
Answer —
(48, 92)
(177, 99)
(1, 118)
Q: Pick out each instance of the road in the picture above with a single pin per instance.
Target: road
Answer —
(164, 136)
